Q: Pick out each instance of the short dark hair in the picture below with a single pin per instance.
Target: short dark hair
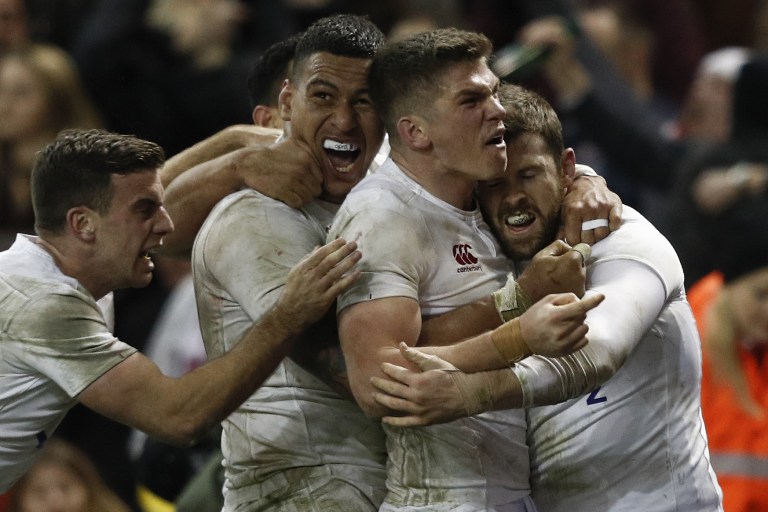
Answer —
(269, 71)
(345, 35)
(76, 170)
(528, 112)
(405, 73)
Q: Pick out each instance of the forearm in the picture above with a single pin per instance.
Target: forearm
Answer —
(476, 354)
(634, 298)
(206, 396)
(191, 197)
(461, 323)
(225, 141)
(183, 410)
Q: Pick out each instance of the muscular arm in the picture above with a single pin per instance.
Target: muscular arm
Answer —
(181, 410)
(554, 269)
(285, 171)
(370, 332)
(225, 141)
(634, 297)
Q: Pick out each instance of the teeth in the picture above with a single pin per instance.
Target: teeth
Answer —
(339, 146)
(344, 170)
(146, 256)
(518, 219)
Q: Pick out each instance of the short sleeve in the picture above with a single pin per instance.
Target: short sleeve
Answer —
(63, 335)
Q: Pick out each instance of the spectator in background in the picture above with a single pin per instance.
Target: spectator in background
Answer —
(601, 74)
(63, 479)
(724, 185)
(14, 28)
(705, 115)
(40, 95)
(165, 70)
(731, 309)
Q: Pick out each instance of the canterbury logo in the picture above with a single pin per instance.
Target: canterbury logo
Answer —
(463, 254)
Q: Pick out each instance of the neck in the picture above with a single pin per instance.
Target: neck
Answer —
(73, 262)
(454, 189)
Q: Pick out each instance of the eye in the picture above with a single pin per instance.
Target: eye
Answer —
(484, 185)
(469, 101)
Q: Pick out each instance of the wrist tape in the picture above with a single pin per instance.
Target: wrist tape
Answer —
(508, 340)
(511, 301)
(476, 391)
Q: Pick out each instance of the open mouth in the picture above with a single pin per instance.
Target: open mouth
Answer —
(495, 141)
(519, 220)
(497, 138)
(341, 155)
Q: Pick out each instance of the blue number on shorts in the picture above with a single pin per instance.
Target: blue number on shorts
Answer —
(593, 399)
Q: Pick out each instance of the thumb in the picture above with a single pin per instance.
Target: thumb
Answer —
(424, 361)
(591, 301)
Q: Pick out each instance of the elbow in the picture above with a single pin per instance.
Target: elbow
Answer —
(186, 433)
(364, 397)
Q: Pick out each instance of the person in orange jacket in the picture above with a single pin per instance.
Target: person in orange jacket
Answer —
(731, 309)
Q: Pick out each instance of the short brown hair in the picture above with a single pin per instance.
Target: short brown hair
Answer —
(527, 112)
(76, 170)
(404, 73)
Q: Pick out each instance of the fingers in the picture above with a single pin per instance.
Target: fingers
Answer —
(405, 421)
(584, 250)
(614, 217)
(332, 254)
(424, 361)
(571, 229)
(574, 307)
(592, 301)
(331, 266)
(556, 248)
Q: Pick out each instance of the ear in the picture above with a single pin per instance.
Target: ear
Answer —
(411, 131)
(285, 99)
(82, 223)
(267, 117)
(568, 166)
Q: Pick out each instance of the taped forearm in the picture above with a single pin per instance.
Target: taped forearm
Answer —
(488, 391)
(547, 381)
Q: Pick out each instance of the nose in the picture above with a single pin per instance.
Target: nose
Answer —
(344, 117)
(497, 111)
(164, 224)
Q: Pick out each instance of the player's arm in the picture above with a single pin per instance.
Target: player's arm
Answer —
(181, 410)
(553, 326)
(285, 171)
(225, 141)
(558, 268)
(370, 333)
(634, 296)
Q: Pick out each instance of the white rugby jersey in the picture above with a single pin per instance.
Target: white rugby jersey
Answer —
(55, 340)
(294, 430)
(636, 441)
(416, 245)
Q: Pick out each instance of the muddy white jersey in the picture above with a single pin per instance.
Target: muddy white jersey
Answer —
(294, 431)
(418, 246)
(636, 441)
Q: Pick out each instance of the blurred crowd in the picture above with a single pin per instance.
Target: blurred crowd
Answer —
(664, 98)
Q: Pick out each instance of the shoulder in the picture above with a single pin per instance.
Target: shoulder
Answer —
(40, 308)
(638, 240)
(246, 215)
